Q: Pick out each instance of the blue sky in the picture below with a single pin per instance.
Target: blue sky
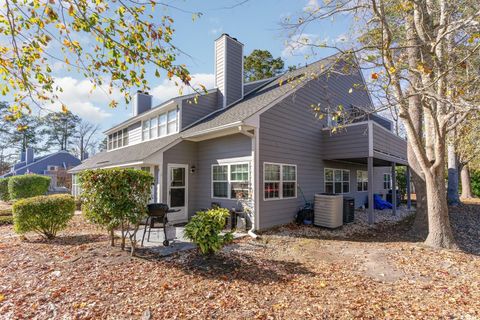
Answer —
(256, 23)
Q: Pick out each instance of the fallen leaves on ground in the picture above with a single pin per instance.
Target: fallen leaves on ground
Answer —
(292, 272)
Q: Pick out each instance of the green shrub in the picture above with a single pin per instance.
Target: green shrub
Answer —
(4, 196)
(4, 220)
(116, 198)
(28, 185)
(205, 228)
(45, 215)
(475, 180)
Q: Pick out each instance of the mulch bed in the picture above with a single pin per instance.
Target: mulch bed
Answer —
(292, 272)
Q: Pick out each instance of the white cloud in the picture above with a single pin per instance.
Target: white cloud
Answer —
(167, 89)
(311, 6)
(78, 96)
(299, 44)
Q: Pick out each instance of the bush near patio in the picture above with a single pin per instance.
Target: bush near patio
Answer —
(205, 228)
(475, 180)
(28, 185)
(6, 216)
(116, 198)
(45, 215)
(4, 196)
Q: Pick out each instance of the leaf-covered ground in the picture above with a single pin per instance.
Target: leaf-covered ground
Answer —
(291, 273)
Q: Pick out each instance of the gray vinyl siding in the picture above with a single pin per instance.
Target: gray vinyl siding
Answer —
(135, 133)
(234, 70)
(290, 134)
(192, 111)
(388, 144)
(336, 87)
(183, 153)
(387, 124)
(349, 142)
(209, 152)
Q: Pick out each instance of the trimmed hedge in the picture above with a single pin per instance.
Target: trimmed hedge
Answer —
(28, 185)
(4, 196)
(45, 215)
(4, 220)
(475, 181)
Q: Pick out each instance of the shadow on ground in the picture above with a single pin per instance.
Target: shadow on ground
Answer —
(465, 221)
(238, 266)
(70, 240)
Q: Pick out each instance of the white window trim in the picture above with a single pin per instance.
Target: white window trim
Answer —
(389, 181)
(228, 181)
(177, 120)
(349, 180)
(281, 181)
(362, 181)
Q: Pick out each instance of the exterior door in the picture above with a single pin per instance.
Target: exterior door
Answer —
(177, 181)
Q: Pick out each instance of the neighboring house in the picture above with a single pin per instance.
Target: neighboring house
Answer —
(258, 139)
(54, 165)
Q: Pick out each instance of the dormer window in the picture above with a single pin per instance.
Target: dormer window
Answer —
(118, 139)
(161, 125)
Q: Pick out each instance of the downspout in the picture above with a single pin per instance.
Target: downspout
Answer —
(251, 232)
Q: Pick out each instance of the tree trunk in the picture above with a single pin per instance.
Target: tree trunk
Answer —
(466, 182)
(452, 192)
(112, 238)
(420, 225)
(440, 233)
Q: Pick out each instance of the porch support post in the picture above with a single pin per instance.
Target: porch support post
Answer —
(409, 198)
(371, 206)
(394, 188)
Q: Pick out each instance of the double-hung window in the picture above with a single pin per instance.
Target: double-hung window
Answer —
(231, 181)
(279, 181)
(337, 180)
(161, 125)
(172, 126)
(146, 130)
(387, 181)
(362, 180)
(118, 139)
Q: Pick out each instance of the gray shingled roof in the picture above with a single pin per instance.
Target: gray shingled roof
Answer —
(134, 153)
(253, 102)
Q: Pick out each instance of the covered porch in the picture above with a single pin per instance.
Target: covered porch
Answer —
(372, 145)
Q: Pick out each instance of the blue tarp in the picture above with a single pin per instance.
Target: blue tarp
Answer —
(381, 204)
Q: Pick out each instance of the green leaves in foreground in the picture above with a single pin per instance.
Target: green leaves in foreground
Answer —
(205, 228)
(122, 41)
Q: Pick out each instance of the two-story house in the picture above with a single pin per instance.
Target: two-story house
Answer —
(260, 140)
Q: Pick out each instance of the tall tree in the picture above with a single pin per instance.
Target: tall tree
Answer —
(102, 146)
(467, 144)
(420, 79)
(59, 129)
(126, 41)
(260, 64)
(84, 138)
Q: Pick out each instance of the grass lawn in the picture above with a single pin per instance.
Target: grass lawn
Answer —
(292, 272)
